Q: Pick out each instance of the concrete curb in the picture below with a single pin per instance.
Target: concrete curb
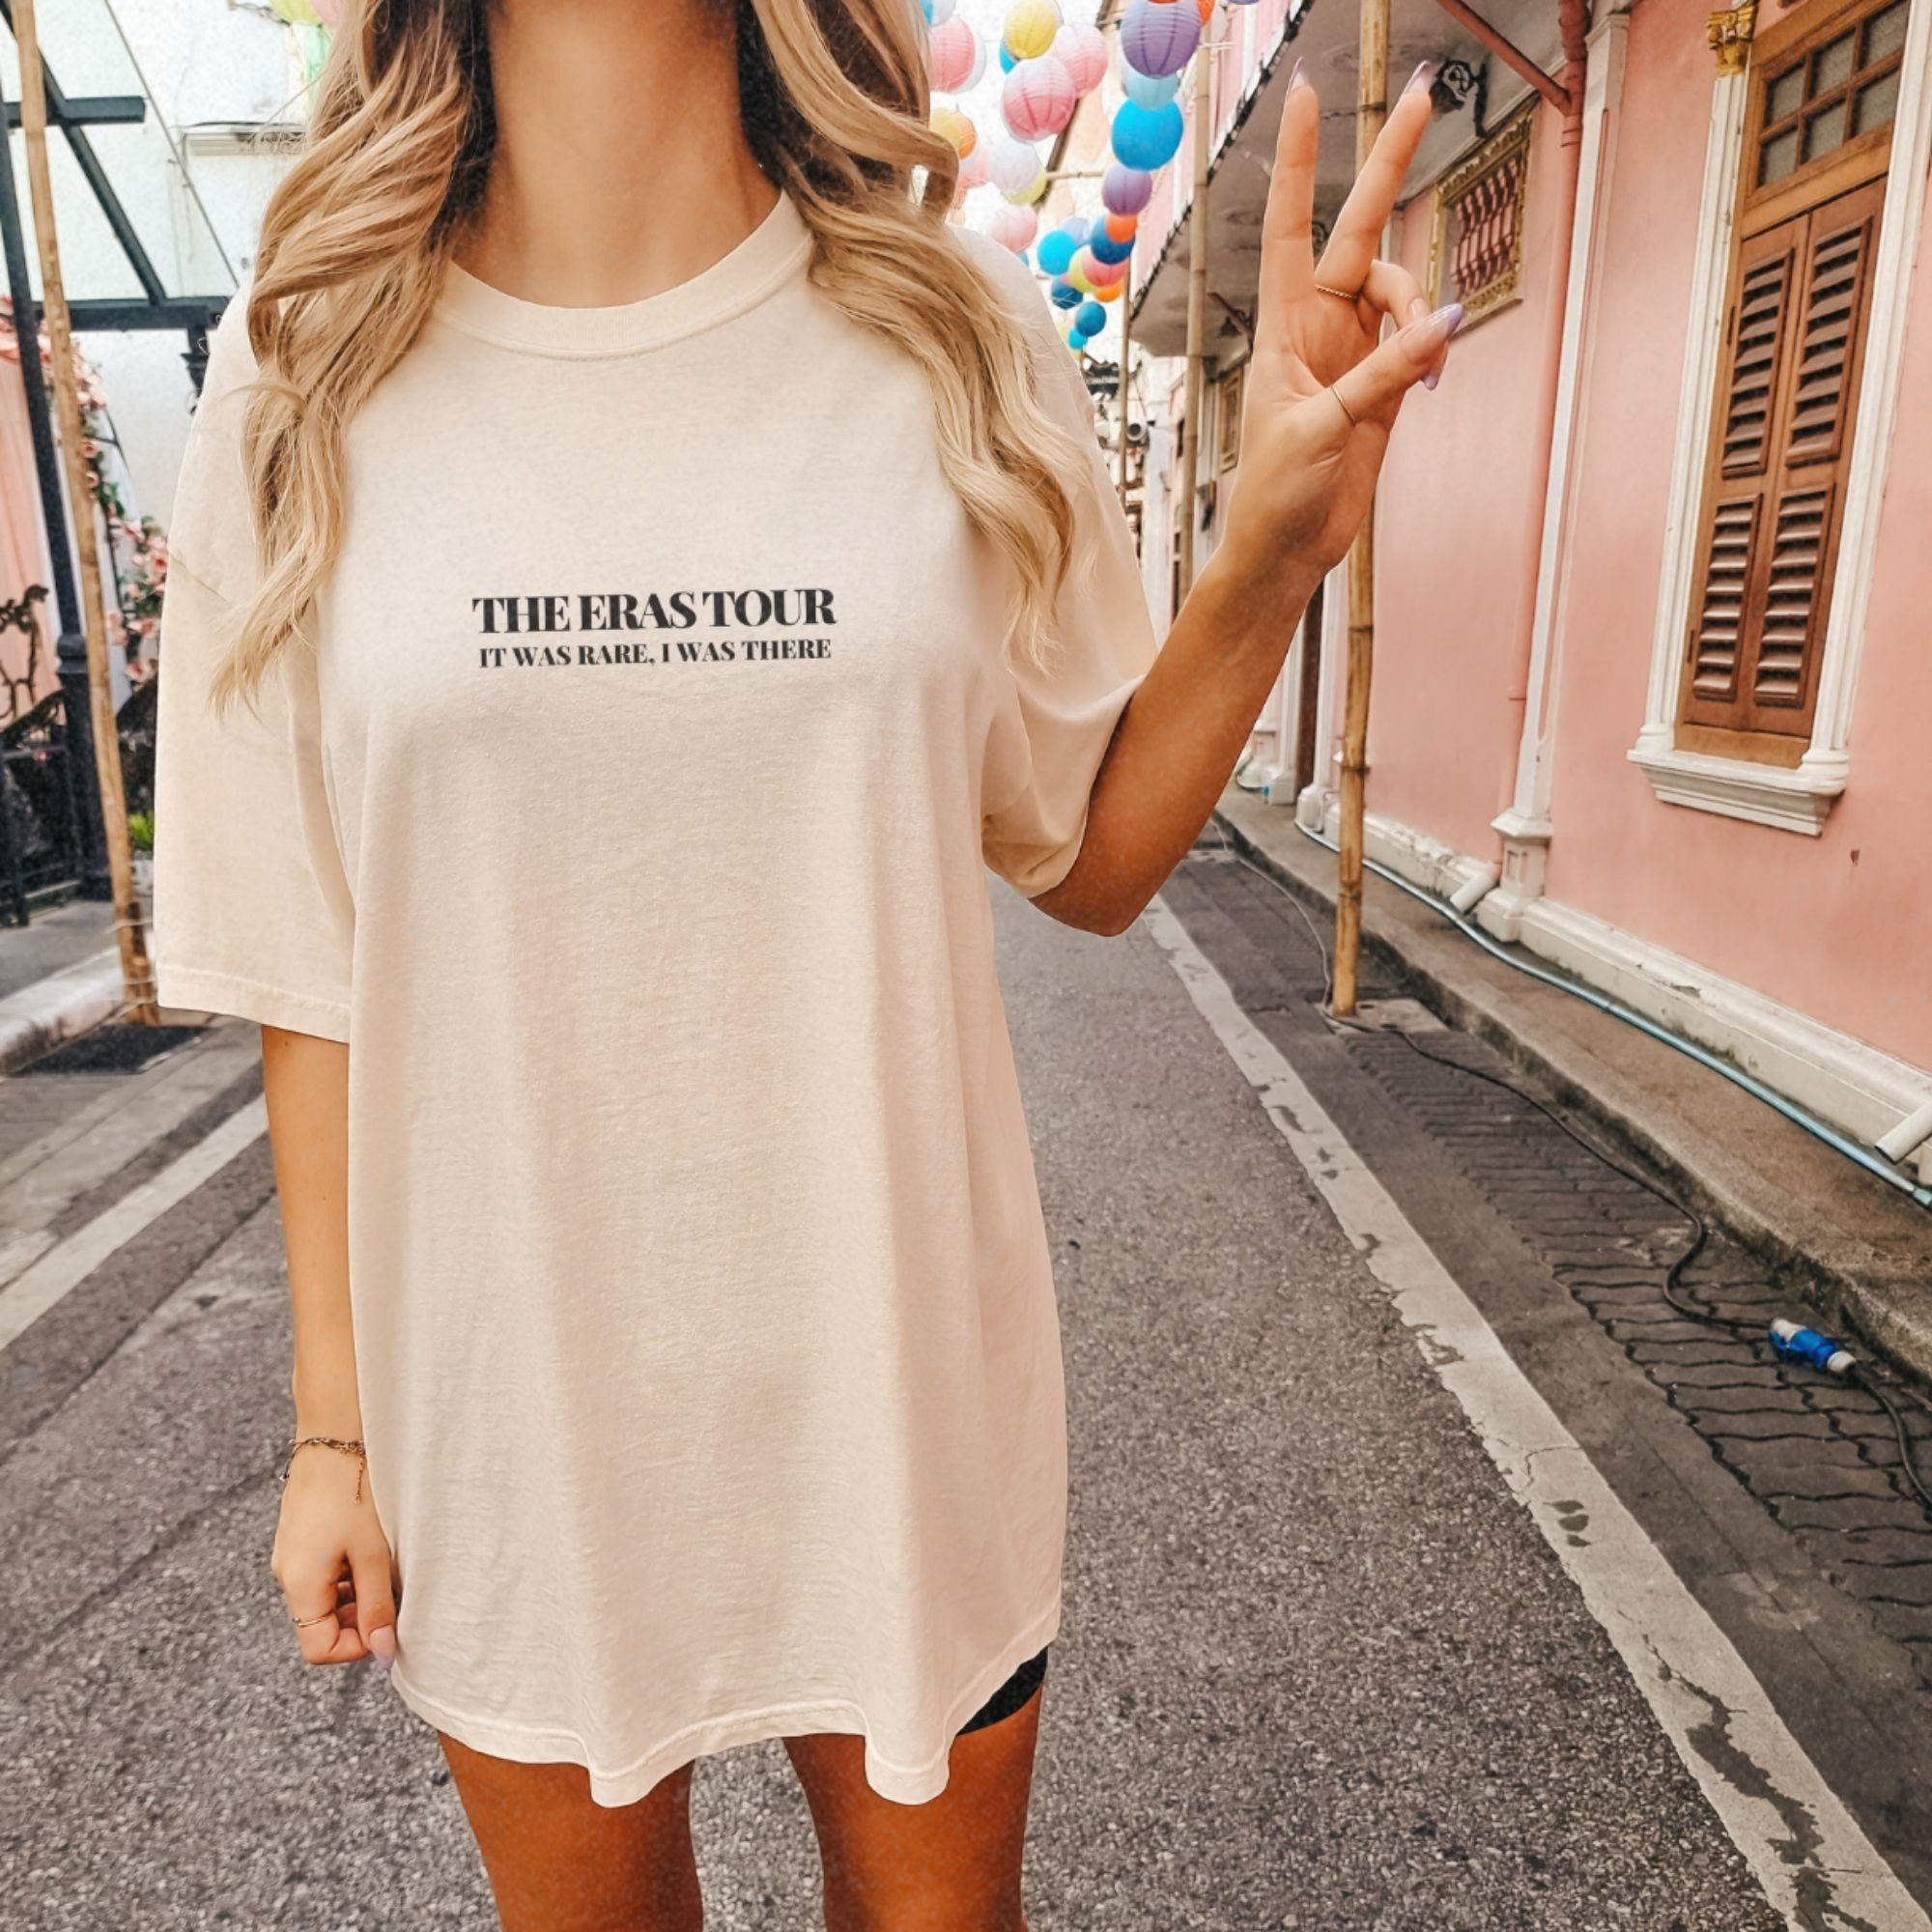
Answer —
(1857, 1249)
(38, 1018)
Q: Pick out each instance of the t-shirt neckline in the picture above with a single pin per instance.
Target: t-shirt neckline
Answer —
(774, 250)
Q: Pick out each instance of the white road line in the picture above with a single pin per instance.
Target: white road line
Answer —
(1815, 1865)
(36, 1288)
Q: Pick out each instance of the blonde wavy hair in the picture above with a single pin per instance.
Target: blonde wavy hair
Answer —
(835, 103)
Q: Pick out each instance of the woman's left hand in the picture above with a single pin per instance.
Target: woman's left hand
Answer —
(1323, 391)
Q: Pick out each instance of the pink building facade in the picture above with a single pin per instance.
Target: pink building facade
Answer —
(1653, 687)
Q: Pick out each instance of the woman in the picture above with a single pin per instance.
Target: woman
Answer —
(635, 567)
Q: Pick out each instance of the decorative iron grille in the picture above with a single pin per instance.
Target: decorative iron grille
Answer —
(1476, 257)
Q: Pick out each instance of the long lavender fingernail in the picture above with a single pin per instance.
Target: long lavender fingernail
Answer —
(1423, 76)
(1297, 76)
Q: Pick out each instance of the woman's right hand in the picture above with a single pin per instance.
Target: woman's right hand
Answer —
(334, 1562)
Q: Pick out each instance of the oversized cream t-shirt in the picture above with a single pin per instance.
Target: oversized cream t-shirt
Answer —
(630, 819)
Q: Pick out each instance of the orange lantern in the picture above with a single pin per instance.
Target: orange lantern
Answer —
(1122, 227)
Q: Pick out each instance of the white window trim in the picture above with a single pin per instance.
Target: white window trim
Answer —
(1797, 799)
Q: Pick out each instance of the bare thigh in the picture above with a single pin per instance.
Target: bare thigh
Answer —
(558, 1861)
(949, 1866)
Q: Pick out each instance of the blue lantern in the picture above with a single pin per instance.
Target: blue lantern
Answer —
(1056, 251)
(1064, 294)
(1089, 317)
(1149, 89)
(1105, 248)
(1147, 138)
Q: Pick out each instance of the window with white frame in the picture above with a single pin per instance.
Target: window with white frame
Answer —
(1811, 186)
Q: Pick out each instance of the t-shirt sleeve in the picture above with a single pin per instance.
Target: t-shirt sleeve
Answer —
(253, 912)
(1059, 719)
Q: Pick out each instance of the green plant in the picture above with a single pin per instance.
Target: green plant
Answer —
(141, 831)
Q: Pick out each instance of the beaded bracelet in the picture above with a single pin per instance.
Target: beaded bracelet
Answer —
(347, 1447)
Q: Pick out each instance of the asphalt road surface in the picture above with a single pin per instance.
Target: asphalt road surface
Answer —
(1325, 1663)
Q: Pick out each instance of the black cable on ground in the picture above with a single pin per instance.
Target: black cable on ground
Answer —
(1672, 1290)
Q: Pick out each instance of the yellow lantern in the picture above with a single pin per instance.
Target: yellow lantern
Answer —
(956, 128)
(1030, 25)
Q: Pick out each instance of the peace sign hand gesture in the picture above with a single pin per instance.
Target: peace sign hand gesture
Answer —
(1323, 391)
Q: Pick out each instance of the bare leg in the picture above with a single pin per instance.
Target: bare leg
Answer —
(950, 1865)
(560, 1862)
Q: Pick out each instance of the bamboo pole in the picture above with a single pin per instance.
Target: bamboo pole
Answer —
(127, 924)
(1126, 344)
(1197, 306)
(1371, 111)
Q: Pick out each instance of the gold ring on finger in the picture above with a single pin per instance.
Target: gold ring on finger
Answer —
(302, 1623)
(1354, 421)
(1340, 294)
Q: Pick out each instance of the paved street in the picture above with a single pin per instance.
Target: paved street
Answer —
(1425, 1571)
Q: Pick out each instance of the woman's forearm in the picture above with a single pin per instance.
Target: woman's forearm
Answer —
(1179, 738)
(306, 1082)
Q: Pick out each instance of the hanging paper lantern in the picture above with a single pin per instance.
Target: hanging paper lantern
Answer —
(939, 11)
(951, 55)
(1207, 13)
(1014, 167)
(1030, 25)
(1038, 99)
(1079, 227)
(1081, 48)
(1076, 342)
(1006, 60)
(1076, 276)
(1089, 317)
(1149, 89)
(1122, 227)
(1105, 248)
(1063, 293)
(1127, 191)
(1014, 228)
(1104, 274)
(1032, 192)
(973, 170)
(1147, 139)
(1056, 250)
(1159, 36)
(1111, 291)
(956, 128)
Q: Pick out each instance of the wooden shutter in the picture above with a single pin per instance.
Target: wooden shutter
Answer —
(1775, 489)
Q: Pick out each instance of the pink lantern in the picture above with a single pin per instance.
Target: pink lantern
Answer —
(1038, 99)
(1102, 275)
(1013, 227)
(1081, 48)
(1012, 167)
(1159, 36)
(952, 53)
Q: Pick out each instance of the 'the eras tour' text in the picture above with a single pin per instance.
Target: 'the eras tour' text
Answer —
(651, 628)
